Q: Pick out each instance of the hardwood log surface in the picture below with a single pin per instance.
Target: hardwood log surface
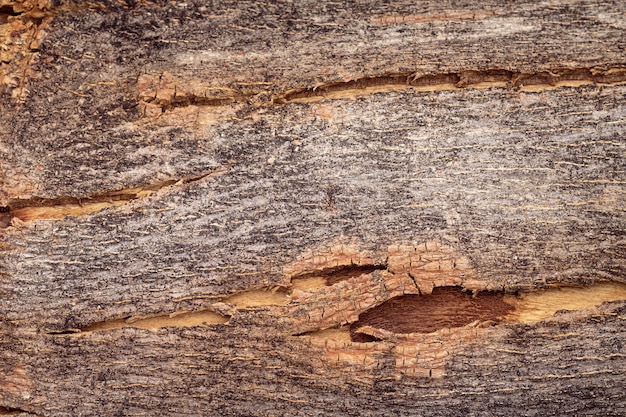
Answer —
(312, 208)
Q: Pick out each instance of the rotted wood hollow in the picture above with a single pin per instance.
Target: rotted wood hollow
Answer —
(251, 208)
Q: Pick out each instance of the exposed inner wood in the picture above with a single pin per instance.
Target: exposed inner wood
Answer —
(59, 208)
(450, 307)
(467, 79)
(8, 411)
(309, 283)
(7, 10)
(446, 307)
(534, 306)
(5, 411)
(244, 299)
(72, 207)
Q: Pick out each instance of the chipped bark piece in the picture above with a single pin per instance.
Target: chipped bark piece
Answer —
(247, 208)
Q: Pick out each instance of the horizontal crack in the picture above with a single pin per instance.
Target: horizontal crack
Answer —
(178, 319)
(277, 296)
(168, 95)
(250, 299)
(37, 208)
(534, 306)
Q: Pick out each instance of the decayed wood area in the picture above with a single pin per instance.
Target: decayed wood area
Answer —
(312, 208)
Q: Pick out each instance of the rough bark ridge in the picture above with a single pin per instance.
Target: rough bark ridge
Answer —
(312, 208)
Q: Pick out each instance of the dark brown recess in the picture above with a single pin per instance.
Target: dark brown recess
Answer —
(341, 273)
(446, 307)
(7, 411)
(5, 12)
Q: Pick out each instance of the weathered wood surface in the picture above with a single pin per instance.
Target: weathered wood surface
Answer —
(206, 150)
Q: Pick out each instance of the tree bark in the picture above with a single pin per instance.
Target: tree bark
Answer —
(312, 208)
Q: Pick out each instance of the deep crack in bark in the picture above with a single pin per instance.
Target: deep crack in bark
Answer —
(494, 78)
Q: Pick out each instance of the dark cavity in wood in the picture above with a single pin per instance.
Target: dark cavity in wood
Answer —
(7, 11)
(9, 411)
(446, 307)
(342, 273)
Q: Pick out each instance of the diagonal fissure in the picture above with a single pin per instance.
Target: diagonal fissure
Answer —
(38, 208)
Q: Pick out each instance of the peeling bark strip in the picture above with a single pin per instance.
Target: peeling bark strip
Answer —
(450, 245)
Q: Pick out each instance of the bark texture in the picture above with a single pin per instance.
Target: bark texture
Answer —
(204, 204)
